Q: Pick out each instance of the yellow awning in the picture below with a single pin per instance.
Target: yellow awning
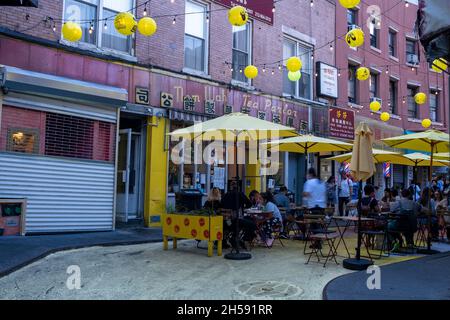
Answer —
(310, 144)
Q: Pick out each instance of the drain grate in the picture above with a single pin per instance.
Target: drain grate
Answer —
(269, 289)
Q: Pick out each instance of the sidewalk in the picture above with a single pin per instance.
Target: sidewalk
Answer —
(16, 252)
(425, 278)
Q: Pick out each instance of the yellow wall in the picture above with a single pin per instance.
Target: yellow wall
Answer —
(155, 172)
(253, 175)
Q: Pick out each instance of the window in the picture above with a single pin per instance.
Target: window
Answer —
(411, 52)
(195, 38)
(23, 140)
(352, 91)
(392, 43)
(90, 10)
(373, 86)
(393, 97)
(374, 35)
(241, 51)
(412, 105)
(434, 106)
(303, 87)
(351, 18)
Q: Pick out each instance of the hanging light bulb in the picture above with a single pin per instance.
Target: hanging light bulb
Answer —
(406, 4)
(273, 72)
(207, 18)
(273, 9)
(387, 70)
(91, 28)
(174, 20)
(264, 68)
(331, 47)
(54, 27)
(279, 67)
(172, 1)
(145, 10)
(312, 3)
(105, 25)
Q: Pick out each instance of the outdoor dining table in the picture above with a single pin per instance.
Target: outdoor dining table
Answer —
(343, 229)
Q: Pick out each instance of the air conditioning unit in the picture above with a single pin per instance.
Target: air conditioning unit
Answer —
(412, 59)
(352, 26)
(376, 99)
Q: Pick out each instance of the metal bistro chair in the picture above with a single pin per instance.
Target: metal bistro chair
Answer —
(370, 232)
(422, 231)
(325, 236)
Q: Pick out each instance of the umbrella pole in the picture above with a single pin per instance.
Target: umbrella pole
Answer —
(357, 263)
(235, 254)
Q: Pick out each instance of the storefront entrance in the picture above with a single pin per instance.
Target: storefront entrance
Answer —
(130, 170)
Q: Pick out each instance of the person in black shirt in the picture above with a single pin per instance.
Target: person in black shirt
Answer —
(214, 201)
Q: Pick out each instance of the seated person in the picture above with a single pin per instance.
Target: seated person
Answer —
(269, 225)
(425, 203)
(235, 200)
(386, 200)
(255, 199)
(369, 205)
(213, 202)
(281, 199)
(406, 223)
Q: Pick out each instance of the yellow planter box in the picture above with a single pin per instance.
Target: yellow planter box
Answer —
(180, 226)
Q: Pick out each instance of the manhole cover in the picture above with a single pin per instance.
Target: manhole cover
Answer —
(269, 289)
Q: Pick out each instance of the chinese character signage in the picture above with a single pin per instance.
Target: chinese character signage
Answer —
(227, 109)
(327, 81)
(261, 115)
(142, 96)
(188, 103)
(276, 118)
(210, 107)
(290, 122)
(166, 100)
(258, 9)
(342, 123)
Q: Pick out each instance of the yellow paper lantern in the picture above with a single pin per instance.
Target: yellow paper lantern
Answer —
(125, 23)
(355, 38)
(294, 76)
(349, 3)
(362, 73)
(238, 16)
(72, 31)
(420, 98)
(426, 123)
(375, 106)
(147, 26)
(441, 64)
(385, 116)
(294, 64)
(251, 72)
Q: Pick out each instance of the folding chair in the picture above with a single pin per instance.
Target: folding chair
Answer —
(327, 236)
(369, 235)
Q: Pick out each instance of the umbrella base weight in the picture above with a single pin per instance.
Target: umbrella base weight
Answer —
(238, 256)
(355, 264)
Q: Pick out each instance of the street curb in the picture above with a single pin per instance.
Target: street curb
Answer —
(52, 251)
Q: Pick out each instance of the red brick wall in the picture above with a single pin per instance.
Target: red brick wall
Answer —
(22, 118)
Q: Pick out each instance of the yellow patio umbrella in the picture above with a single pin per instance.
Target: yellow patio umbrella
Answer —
(432, 141)
(309, 144)
(362, 168)
(442, 155)
(235, 127)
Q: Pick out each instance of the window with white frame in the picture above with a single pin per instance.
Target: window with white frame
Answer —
(352, 84)
(196, 37)
(373, 86)
(412, 105)
(242, 45)
(434, 95)
(303, 87)
(96, 18)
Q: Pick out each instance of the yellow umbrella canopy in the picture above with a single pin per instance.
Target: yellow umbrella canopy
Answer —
(310, 144)
(379, 156)
(442, 155)
(428, 141)
(234, 126)
(423, 160)
(361, 165)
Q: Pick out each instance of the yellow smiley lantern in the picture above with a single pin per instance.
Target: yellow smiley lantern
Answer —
(147, 26)
(72, 31)
(125, 23)
(294, 64)
(294, 76)
(385, 116)
(355, 38)
(238, 16)
(362, 73)
(349, 3)
(420, 98)
(375, 106)
(439, 65)
(251, 72)
(426, 123)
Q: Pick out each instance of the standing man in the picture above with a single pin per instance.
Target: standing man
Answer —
(314, 191)
(344, 192)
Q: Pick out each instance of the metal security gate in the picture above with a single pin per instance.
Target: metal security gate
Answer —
(63, 194)
(399, 177)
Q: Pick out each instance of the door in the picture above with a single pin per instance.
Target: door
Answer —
(128, 175)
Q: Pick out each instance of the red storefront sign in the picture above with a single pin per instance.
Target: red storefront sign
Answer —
(258, 9)
(342, 123)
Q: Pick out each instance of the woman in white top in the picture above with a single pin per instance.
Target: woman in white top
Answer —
(277, 220)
